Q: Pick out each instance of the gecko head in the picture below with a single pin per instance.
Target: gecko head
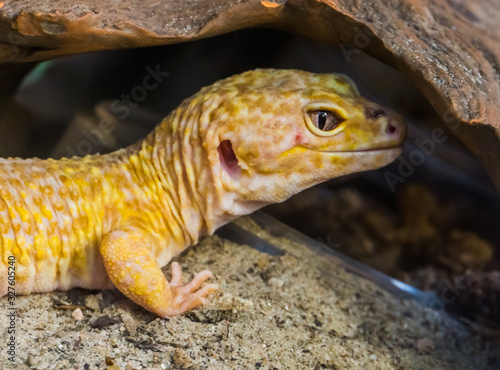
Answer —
(277, 132)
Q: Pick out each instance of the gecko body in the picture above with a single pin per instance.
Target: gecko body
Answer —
(114, 220)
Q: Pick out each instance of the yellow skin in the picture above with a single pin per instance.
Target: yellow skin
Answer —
(114, 220)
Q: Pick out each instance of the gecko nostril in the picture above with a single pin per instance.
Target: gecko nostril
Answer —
(391, 129)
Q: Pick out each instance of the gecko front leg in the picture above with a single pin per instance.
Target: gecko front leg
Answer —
(135, 272)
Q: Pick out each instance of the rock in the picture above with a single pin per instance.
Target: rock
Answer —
(130, 324)
(92, 302)
(77, 314)
(424, 345)
(103, 321)
(181, 358)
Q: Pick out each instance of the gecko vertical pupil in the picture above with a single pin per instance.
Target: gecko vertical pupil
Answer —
(322, 117)
(325, 120)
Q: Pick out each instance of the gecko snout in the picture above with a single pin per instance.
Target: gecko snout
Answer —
(394, 125)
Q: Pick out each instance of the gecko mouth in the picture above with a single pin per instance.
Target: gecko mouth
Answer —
(371, 150)
(368, 150)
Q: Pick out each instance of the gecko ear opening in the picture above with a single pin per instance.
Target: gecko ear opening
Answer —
(228, 159)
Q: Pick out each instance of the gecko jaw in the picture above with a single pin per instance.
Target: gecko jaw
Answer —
(372, 150)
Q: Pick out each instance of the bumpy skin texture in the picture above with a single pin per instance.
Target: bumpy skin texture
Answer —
(114, 220)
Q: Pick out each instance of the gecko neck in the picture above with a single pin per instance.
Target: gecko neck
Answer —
(173, 165)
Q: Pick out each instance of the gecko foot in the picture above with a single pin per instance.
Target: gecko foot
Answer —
(186, 297)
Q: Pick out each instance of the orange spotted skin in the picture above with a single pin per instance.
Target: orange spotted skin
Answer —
(114, 220)
(54, 214)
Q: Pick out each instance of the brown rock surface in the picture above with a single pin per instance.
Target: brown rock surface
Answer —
(449, 48)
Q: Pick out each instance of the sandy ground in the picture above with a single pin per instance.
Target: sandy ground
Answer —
(273, 312)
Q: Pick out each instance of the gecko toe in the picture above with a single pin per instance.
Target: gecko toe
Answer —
(198, 279)
(190, 296)
(176, 274)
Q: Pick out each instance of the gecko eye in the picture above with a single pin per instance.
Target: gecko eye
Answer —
(325, 120)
